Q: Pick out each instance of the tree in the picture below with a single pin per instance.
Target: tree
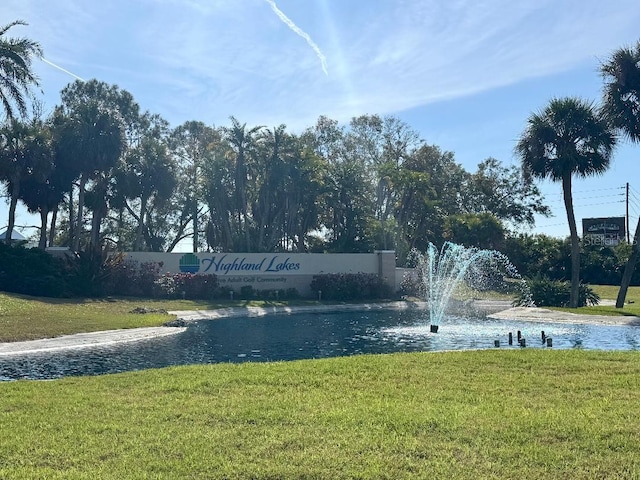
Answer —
(502, 191)
(243, 143)
(429, 186)
(567, 138)
(621, 105)
(147, 173)
(25, 152)
(93, 136)
(93, 126)
(16, 76)
(191, 144)
(480, 230)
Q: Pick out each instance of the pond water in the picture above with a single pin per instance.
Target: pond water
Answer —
(306, 336)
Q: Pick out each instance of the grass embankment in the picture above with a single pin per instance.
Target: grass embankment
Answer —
(489, 414)
(610, 292)
(28, 318)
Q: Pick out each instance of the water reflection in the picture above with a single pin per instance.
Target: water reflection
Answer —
(303, 336)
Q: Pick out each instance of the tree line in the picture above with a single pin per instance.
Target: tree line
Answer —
(101, 172)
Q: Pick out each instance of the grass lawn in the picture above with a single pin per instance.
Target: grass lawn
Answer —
(28, 318)
(487, 414)
(610, 292)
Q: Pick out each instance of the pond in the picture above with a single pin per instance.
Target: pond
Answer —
(312, 335)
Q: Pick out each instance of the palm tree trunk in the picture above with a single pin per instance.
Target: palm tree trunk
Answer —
(12, 213)
(575, 241)
(78, 227)
(52, 227)
(42, 243)
(629, 268)
(143, 209)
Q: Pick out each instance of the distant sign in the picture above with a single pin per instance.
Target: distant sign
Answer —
(608, 231)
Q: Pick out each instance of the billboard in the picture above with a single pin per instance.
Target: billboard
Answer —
(606, 232)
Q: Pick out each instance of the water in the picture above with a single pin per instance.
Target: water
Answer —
(307, 336)
(442, 273)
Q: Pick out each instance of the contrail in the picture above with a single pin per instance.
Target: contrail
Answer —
(287, 21)
(62, 69)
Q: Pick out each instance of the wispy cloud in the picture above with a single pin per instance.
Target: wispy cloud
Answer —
(48, 62)
(289, 23)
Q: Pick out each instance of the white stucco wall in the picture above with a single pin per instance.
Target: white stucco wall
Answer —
(272, 271)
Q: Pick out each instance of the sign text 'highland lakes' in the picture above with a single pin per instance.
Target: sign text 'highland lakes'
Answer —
(274, 263)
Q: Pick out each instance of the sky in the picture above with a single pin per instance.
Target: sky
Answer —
(465, 74)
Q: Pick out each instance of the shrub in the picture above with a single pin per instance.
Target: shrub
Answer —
(165, 286)
(200, 287)
(131, 278)
(32, 272)
(350, 286)
(89, 273)
(555, 293)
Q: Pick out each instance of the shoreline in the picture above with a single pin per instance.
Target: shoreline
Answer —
(498, 310)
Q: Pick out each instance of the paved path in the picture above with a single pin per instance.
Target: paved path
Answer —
(546, 315)
(86, 340)
(193, 315)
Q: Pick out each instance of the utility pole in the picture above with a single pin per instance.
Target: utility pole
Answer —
(627, 219)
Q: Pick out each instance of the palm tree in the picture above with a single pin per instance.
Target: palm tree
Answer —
(25, 155)
(16, 76)
(93, 137)
(621, 105)
(242, 142)
(567, 138)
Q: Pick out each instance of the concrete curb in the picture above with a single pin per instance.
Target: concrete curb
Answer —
(86, 340)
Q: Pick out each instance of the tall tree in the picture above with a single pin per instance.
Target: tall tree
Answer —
(243, 143)
(191, 144)
(502, 191)
(621, 104)
(94, 124)
(16, 75)
(93, 136)
(25, 153)
(147, 173)
(567, 138)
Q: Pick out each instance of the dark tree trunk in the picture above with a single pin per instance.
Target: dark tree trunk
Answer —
(629, 268)
(12, 219)
(78, 227)
(575, 242)
(12, 214)
(52, 228)
(42, 243)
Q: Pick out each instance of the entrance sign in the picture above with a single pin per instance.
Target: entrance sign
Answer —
(272, 270)
(607, 232)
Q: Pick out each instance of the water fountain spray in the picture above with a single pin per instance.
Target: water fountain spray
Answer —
(444, 273)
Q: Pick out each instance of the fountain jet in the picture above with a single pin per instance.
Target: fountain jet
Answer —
(444, 273)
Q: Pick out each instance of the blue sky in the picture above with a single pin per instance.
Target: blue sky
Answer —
(465, 74)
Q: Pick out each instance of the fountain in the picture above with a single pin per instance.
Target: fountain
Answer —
(445, 274)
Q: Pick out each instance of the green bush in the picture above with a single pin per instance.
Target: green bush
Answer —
(350, 286)
(31, 271)
(555, 293)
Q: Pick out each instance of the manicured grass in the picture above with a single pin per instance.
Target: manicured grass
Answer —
(27, 318)
(488, 414)
(610, 292)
